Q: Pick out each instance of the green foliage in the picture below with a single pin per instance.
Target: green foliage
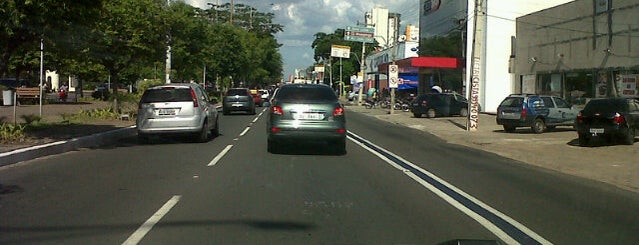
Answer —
(31, 118)
(144, 85)
(87, 115)
(322, 49)
(126, 41)
(11, 133)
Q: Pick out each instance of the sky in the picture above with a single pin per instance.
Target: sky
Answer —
(303, 18)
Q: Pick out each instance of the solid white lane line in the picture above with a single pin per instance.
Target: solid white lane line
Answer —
(137, 236)
(220, 155)
(477, 217)
(245, 131)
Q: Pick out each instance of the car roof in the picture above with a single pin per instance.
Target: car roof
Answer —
(304, 85)
(190, 85)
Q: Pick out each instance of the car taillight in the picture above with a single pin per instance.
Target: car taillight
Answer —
(580, 118)
(619, 119)
(275, 130)
(276, 110)
(340, 130)
(524, 112)
(194, 98)
(339, 111)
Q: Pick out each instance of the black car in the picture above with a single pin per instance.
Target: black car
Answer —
(439, 104)
(613, 119)
(101, 92)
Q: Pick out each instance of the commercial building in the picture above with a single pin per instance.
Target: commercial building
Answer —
(579, 50)
(450, 24)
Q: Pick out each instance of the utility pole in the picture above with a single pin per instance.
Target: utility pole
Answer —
(362, 66)
(41, 73)
(479, 35)
(168, 53)
(232, 10)
(392, 88)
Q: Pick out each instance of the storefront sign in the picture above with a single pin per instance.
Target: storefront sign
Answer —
(627, 85)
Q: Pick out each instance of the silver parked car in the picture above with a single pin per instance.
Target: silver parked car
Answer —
(306, 113)
(177, 108)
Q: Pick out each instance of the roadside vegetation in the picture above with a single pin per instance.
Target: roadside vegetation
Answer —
(125, 41)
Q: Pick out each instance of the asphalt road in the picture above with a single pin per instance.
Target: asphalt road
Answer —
(395, 185)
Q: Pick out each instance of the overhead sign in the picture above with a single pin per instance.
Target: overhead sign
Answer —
(340, 51)
(393, 76)
(359, 34)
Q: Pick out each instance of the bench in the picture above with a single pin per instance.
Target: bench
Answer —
(31, 93)
(27, 93)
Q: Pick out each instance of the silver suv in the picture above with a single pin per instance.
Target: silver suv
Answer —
(177, 108)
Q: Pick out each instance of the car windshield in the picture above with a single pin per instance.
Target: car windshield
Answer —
(167, 94)
(512, 102)
(234, 92)
(306, 93)
(605, 106)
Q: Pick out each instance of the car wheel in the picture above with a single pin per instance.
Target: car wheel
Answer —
(509, 128)
(430, 113)
(417, 115)
(203, 135)
(463, 112)
(216, 130)
(538, 126)
(629, 137)
(583, 140)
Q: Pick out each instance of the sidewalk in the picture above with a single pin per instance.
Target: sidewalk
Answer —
(53, 113)
(555, 150)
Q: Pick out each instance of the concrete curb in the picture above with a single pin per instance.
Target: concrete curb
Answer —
(94, 140)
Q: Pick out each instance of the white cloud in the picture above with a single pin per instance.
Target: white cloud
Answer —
(303, 18)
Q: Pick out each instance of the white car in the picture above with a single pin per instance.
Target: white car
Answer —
(265, 95)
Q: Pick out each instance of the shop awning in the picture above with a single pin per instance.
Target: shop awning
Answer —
(412, 65)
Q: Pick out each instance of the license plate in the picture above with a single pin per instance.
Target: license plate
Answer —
(596, 130)
(237, 105)
(309, 116)
(166, 112)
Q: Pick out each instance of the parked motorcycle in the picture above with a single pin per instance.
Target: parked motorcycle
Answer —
(63, 94)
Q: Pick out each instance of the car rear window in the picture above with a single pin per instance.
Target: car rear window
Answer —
(605, 105)
(234, 92)
(306, 93)
(167, 94)
(512, 102)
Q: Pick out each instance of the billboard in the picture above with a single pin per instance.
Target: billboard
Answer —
(439, 17)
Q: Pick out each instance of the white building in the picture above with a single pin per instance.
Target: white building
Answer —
(440, 18)
(386, 25)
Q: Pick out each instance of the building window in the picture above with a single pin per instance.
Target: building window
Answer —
(579, 87)
(550, 84)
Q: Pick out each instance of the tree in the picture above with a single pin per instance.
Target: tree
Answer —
(24, 23)
(129, 33)
(322, 51)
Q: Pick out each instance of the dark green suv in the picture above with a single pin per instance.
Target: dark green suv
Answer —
(306, 113)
